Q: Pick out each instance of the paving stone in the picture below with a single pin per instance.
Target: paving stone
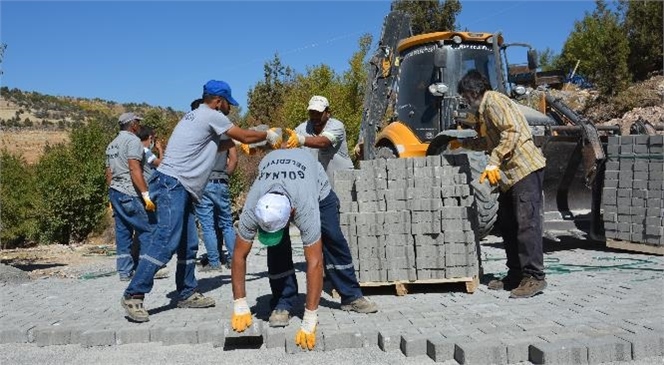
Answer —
(413, 344)
(13, 335)
(134, 334)
(389, 340)
(343, 339)
(274, 337)
(51, 335)
(98, 337)
(564, 352)
(484, 352)
(608, 349)
(179, 336)
(211, 333)
(645, 344)
(518, 350)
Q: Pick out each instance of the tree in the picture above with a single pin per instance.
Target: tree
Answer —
(643, 28)
(430, 15)
(266, 98)
(547, 59)
(599, 43)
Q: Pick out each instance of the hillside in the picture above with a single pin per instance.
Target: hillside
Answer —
(31, 120)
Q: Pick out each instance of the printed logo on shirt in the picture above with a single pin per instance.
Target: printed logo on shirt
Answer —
(275, 175)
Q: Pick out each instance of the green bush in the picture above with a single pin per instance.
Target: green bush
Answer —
(18, 198)
(72, 187)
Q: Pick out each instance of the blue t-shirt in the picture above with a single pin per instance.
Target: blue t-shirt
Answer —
(192, 149)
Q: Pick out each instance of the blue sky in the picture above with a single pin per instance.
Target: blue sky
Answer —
(163, 52)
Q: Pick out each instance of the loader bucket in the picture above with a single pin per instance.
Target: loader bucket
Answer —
(564, 183)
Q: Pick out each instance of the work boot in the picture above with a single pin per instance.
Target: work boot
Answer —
(360, 305)
(133, 305)
(196, 300)
(162, 273)
(212, 269)
(279, 318)
(528, 287)
(508, 282)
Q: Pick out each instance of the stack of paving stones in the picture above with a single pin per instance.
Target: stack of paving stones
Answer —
(633, 194)
(409, 219)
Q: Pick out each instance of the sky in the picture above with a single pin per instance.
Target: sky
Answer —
(162, 52)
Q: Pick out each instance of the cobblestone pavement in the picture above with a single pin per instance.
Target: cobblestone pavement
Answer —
(600, 306)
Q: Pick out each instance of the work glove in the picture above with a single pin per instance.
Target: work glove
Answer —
(357, 150)
(492, 173)
(243, 147)
(306, 335)
(149, 205)
(274, 138)
(295, 140)
(454, 144)
(241, 319)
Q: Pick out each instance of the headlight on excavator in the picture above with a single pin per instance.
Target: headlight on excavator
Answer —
(438, 89)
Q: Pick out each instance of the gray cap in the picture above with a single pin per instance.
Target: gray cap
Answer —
(128, 118)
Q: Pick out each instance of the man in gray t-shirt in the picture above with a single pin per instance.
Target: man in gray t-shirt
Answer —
(323, 136)
(179, 182)
(124, 175)
(292, 184)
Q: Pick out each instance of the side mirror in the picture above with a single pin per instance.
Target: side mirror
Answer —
(440, 57)
(532, 59)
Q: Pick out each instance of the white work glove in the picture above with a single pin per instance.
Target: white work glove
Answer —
(149, 205)
(241, 319)
(306, 335)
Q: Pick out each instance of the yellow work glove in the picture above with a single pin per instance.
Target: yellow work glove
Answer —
(306, 335)
(492, 173)
(274, 138)
(243, 147)
(454, 144)
(294, 140)
(241, 319)
(149, 205)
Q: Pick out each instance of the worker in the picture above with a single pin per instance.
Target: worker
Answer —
(516, 165)
(292, 184)
(179, 182)
(323, 136)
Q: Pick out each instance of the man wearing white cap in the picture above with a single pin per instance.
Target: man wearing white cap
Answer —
(178, 182)
(124, 175)
(292, 184)
(323, 136)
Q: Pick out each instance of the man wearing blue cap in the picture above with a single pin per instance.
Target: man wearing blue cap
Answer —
(178, 182)
(292, 184)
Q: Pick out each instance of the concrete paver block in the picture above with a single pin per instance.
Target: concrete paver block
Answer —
(51, 335)
(608, 349)
(274, 337)
(98, 337)
(563, 352)
(13, 335)
(389, 340)
(134, 334)
(645, 344)
(413, 344)
(480, 353)
(343, 339)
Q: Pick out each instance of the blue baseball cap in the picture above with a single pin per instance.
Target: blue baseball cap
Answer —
(219, 88)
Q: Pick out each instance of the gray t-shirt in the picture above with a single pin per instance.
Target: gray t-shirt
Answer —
(335, 157)
(219, 168)
(192, 149)
(302, 179)
(126, 146)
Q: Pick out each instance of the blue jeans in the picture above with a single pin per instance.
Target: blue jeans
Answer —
(215, 207)
(174, 231)
(130, 219)
(338, 262)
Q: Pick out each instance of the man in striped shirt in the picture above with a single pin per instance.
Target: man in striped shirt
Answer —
(517, 166)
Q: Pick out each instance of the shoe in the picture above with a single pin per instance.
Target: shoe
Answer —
(125, 277)
(196, 300)
(162, 273)
(228, 265)
(528, 287)
(508, 282)
(134, 307)
(360, 305)
(279, 318)
(210, 268)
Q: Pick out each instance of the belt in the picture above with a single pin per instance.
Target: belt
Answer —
(219, 181)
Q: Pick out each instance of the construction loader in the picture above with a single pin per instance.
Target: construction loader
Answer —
(412, 109)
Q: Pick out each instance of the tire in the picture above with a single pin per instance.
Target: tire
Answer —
(486, 197)
(386, 153)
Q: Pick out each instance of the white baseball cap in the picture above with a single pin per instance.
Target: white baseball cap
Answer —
(318, 103)
(273, 213)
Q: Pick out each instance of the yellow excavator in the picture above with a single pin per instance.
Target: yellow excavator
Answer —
(412, 109)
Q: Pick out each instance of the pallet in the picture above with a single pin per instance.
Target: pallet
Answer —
(401, 286)
(635, 246)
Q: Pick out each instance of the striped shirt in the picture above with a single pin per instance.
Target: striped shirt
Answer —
(505, 134)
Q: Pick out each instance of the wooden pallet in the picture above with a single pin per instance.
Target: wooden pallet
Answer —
(634, 246)
(401, 286)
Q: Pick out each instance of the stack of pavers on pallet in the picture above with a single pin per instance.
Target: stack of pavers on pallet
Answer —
(409, 219)
(633, 194)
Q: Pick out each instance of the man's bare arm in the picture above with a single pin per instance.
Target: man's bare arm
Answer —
(239, 267)
(246, 135)
(231, 163)
(313, 254)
